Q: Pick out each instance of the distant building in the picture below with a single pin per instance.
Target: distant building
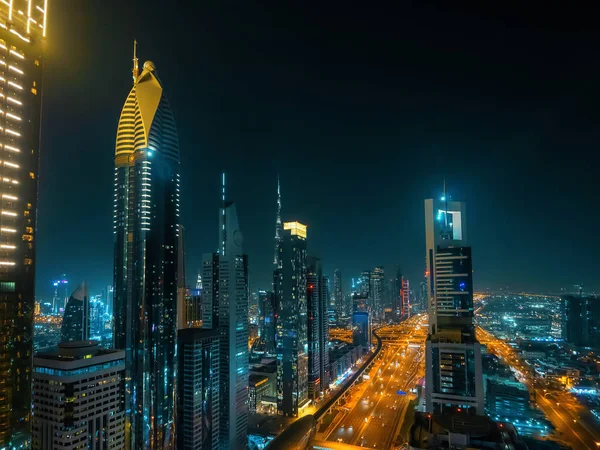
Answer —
(266, 324)
(343, 356)
(581, 320)
(365, 283)
(338, 295)
(292, 334)
(377, 291)
(78, 398)
(198, 389)
(76, 319)
(405, 297)
(506, 398)
(395, 293)
(361, 323)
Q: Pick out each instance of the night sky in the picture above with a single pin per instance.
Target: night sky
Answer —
(363, 112)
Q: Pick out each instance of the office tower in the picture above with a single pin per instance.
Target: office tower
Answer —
(146, 217)
(423, 296)
(109, 300)
(278, 228)
(78, 391)
(225, 307)
(453, 374)
(268, 310)
(338, 295)
(317, 328)
(361, 324)
(76, 320)
(581, 320)
(181, 286)
(198, 389)
(405, 296)
(365, 283)
(325, 374)
(396, 296)
(292, 338)
(377, 281)
(61, 294)
(22, 36)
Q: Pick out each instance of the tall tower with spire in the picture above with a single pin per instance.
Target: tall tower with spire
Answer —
(225, 308)
(278, 228)
(146, 235)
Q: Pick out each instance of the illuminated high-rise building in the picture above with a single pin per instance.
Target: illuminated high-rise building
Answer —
(341, 306)
(225, 307)
(324, 367)
(405, 297)
(453, 372)
(289, 281)
(278, 228)
(377, 289)
(61, 294)
(146, 225)
(317, 294)
(22, 33)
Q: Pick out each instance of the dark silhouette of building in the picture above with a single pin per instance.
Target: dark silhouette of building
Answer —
(76, 319)
(581, 320)
(198, 389)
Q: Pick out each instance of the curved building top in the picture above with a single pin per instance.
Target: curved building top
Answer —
(146, 124)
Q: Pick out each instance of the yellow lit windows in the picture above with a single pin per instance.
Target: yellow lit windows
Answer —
(28, 237)
(29, 229)
(28, 261)
(34, 91)
(32, 175)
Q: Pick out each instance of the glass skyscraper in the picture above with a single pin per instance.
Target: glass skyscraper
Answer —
(292, 335)
(76, 319)
(22, 32)
(146, 218)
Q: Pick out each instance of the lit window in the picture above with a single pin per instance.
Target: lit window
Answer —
(27, 237)
(32, 175)
(28, 261)
(29, 229)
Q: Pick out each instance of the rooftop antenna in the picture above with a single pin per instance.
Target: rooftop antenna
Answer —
(135, 62)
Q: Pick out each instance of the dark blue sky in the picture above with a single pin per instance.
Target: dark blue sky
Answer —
(362, 111)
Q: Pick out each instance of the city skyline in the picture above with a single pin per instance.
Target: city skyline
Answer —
(506, 134)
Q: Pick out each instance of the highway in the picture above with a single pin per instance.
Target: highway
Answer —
(374, 410)
(575, 425)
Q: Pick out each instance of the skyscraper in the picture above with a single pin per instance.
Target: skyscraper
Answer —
(405, 296)
(76, 320)
(365, 283)
(22, 33)
(338, 295)
(78, 391)
(377, 281)
(325, 374)
(268, 308)
(278, 227)
(453, 373)
(396, 296)
(225, 307)
(292, 336)
(581, 320)
(61, 294)
(146, 225)
(198, 389)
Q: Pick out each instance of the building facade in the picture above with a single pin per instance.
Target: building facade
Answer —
(292, 334)
(225, 307)
(267, 315)
(581, 320)
(338, 296)
(76, 320)
(453, 372)
(78, 398)
(405, 298)
(377, 291)
(22, 36)
(198, 389)
(146, 223)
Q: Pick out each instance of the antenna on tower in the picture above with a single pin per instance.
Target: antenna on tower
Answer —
(135, 62)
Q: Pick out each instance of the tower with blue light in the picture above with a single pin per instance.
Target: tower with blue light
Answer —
(146, 228)
(453, 374)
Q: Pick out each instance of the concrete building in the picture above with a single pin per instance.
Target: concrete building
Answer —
(78, 398)
(453, 374)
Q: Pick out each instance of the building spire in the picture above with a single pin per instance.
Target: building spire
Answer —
(223, 230)
(135, 62)
(278, 227)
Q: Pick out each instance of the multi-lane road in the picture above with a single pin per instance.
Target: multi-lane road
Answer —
(574, 424)
(376, 408)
